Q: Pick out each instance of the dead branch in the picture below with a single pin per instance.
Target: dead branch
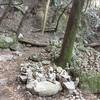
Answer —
(64, 9)
(32, 44)
(46, 30)
(94, 44)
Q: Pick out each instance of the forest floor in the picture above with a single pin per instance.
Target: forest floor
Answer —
(10, 89)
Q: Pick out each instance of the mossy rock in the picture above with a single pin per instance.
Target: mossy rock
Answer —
(16, 47)
(6, 42)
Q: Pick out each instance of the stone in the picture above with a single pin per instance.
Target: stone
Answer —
(44, 88)
(7, 57)
(16, 47)
(23, 79)
(76, 81)
(18, 53)
(20, 36)
(70, 86)
(51, 74)
(29, 74)
(30, 86)
(35, 57)
(3, 81)
(6, 41)
(45, 62)
(40, 76)
(59, 69)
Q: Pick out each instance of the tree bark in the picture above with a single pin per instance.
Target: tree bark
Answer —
(70, 33)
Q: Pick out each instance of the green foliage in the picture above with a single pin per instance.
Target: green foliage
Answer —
(90, 82)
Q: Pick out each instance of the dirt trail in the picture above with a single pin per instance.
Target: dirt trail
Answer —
(8, 87)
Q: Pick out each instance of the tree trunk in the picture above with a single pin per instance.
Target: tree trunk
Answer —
(70, 33)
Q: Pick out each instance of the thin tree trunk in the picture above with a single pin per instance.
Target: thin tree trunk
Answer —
(70, 33)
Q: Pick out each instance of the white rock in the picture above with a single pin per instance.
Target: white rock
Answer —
(44, 88)
(51, 74)
(23, 78)
(7, 57)
(64, 74)
(40, 76)
(30, 74)
(18, 53)
(59, 69)
(30, 86)
(70, 86)
(20, 36)
(45, 62)
(76, 82)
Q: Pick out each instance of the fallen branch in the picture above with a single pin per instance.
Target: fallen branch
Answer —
(94, 44)
(46, 30)
(32, 44)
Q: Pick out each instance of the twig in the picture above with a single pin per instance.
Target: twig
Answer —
(46, 15)
(64, 9)
(46, 30)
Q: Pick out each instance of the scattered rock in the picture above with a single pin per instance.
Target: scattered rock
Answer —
(45, 62)
(23, 79)
(43, 81)
(3, 81)
(18, 53)
(16, 47)
(70, 86)
(35, 57)
(20, 36)
(7, 57)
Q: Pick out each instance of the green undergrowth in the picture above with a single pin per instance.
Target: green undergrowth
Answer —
(90, 82)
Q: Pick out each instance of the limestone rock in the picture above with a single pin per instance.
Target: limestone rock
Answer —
(45, 62)
(44, 88)
(70, 86)
(23, 79)
(7, 57)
